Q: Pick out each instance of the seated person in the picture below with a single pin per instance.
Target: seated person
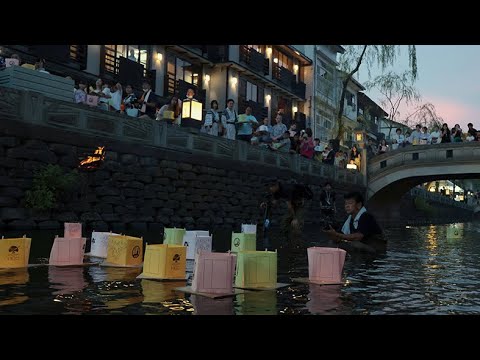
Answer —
(263, 132)
(283, 144)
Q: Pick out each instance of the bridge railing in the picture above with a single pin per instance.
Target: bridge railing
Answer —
(37, 109)
(422, 154)
(423, 193)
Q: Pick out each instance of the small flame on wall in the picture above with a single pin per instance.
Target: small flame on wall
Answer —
(92, 162)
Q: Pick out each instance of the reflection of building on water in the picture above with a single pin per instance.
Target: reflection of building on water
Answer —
(206, 306)
(13, 277)
(324, 299)
(104, 273)
(256, 303)
(66, 280)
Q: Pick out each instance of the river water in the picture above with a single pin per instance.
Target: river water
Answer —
(422, 272)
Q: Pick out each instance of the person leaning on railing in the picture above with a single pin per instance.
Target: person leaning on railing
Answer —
(212, 124)
(148, 102)
(116, 96)
(307, 146)
(129, 101)
(435, 136)
(170, 112)
(80, 94)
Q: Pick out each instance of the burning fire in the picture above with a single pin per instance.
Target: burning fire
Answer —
(93, 162)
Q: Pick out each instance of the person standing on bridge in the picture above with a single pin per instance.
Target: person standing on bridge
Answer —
(360, 232)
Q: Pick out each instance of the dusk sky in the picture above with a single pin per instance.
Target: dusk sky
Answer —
(448, 77)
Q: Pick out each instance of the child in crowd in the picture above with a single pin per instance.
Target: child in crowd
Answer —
(80, 94)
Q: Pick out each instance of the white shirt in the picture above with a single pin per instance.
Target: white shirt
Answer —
(116, 99)
(263, 128)
(399, 138)
(435, 134)
(145, 101)
(105, 91)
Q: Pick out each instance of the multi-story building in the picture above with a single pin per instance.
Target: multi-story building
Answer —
(350, 110)
(325, 93)
(269, 78)
(387, 128)
(370, 115)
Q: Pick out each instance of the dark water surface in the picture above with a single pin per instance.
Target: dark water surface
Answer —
(422, 272)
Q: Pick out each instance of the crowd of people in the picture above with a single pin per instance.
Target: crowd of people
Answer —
(421, 136)
(227, 123)
(359, 227)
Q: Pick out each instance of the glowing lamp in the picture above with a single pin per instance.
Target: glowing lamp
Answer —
(191, 114)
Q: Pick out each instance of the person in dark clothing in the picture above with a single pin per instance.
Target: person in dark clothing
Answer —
(148, 101)
(446, 134)
(330, 159)
(327, 203)
(472, 131)
(295, 196)
(361, 231)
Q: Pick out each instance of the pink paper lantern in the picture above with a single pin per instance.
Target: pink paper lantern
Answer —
(325, 265)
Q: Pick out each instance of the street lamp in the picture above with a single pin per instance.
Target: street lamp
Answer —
(359, 136)
(191, 113)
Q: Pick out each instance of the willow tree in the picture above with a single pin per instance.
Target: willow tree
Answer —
(396, 90)
(425, 114)
(382, 56)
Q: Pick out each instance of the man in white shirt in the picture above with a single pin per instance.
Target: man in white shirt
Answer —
(398, 140)
(116, 97)
(415, 136)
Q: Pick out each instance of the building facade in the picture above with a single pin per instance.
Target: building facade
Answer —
(387, 128)
(326, 91)
(269, 78)
(370, 115)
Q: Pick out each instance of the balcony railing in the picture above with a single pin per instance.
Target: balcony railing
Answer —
(258, 110)
(299, 89)
(254, 60)
(214, 53)
(289, 80)
(283, 76)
